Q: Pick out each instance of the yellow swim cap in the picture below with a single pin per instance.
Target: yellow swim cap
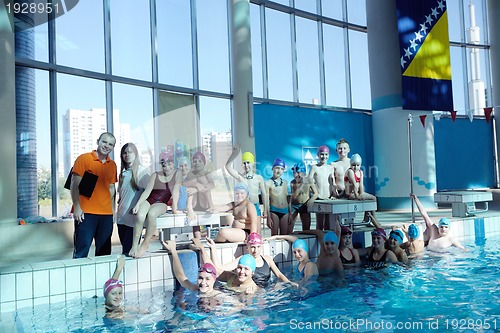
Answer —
(248, 157)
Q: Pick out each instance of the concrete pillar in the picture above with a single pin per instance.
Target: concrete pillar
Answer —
(27, 185)
(390, 122)
(242, 113)
(8, 211)
(494, 30)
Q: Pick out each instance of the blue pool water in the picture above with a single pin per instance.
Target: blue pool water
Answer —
(453, 292)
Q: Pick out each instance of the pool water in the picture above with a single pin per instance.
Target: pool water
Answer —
(452, 292)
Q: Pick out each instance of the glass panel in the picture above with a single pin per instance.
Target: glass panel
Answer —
(360, 72)
(31, 37)
(279, 55)
(81, 107)
(457, 79)
(215, 117)
(308, 61)
(175, 53)
(477, 79)
(283, 2)
(454, 19)
(335, 78)
(306, 5)
(131, 38)
(332, 8)
(356, 12)
(80, 36)
(256, 50)
(34, 186)
(133, 120)
(474, 21)
(213, 47)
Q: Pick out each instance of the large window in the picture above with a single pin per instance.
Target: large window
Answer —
(279, 55)
(131, 39)
(335, 66)
(175, 52)
(80, 36)
(308, 61)
(360, 73)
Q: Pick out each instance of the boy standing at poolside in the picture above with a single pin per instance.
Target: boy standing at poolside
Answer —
(254, 181)
(304, 193)
(440, 238)
(321, 173)
(280, 217)
(340, 168)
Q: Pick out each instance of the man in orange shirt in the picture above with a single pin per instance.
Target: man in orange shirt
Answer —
(93, 214)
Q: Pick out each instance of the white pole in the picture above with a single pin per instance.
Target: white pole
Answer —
(410, 121)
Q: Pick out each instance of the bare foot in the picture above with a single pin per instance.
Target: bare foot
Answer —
(191, 215)
(133, 251)
(142, 249)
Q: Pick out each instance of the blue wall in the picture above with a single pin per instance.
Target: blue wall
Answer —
(464, 149)
(282, 131)
(464, 154)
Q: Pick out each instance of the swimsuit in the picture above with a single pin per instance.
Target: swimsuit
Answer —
(257, 208)
(372, 263)
(300, 208)
(262, 274)
(280, 212)
(161, 192)
(357, 179)
(347, 261)
(301, 272)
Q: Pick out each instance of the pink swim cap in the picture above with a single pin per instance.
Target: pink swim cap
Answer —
(110, 285)
(254, 238)
(166, 156)
(323, 149)
(199, 156)
(209, 268)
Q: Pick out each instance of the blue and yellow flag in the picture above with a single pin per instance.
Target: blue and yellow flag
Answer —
(425, 55)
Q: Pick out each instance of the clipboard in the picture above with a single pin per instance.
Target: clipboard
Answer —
(87, 184)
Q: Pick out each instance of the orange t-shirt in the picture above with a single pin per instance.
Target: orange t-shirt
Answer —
(100, 202)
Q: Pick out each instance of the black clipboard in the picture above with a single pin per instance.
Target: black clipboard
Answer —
(87, 184)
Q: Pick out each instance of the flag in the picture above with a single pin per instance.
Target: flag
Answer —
(487, 113)
(424, 55)
(453, 115)
(422, 120)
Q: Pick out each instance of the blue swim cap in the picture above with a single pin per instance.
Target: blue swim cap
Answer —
(249, 261)
(413, 231)
(299, 167)
(241, 186)
(330, 236)
(397, 235)
(279, 162)
(300, 244)
(444, 221)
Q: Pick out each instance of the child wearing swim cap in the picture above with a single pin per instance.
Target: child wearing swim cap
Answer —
(415, 244)
(254, 181)
(113, 288)
(306, 268)
(242, 280)
(393, 243)
(304, 192)
(279, 217)
(328, 261)
(439, 237)
(348, 254)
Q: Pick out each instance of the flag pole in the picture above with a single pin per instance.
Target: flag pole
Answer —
(410, 122)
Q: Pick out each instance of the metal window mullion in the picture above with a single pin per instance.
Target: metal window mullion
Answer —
(108, 66)
(194, 45)
(154, 40)
(229, 43)
(465, 86)
(321, 54)
(263, 43)
(293, 37)
(54, 126)
(348, 80)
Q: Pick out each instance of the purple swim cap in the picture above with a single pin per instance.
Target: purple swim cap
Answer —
(323, 149)
(199, 156)
(279, 162)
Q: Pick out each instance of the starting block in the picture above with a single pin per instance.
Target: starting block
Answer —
(177, 226)
(345, 209)
(463, 203)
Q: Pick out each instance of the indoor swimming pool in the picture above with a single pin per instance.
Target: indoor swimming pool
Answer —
(450, 292)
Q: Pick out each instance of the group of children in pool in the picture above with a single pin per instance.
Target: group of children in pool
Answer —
(340, 179)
